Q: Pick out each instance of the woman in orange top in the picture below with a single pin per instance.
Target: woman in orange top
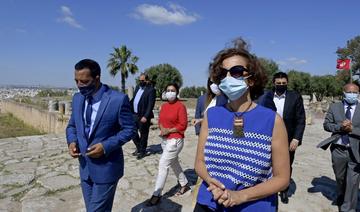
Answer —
(172, 124)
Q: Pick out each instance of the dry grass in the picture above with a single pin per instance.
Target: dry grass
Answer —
(190, 103)
(10, 126)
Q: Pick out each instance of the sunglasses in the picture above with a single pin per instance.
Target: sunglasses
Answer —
(235, 71)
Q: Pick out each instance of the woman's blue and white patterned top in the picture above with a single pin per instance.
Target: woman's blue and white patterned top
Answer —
(238, 162)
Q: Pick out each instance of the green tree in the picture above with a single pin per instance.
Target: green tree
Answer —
(192, 92)
(162, 74)
(351, 51)
(271, 67)
(300, 82)
(122, 60)
(325, 86)
(342, 77)
(51, 93)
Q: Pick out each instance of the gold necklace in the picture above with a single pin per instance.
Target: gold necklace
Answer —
(238, 127)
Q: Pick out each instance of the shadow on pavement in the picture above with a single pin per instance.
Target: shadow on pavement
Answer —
(166, 205)
(326, 186)
(154, 149)
(292, 187)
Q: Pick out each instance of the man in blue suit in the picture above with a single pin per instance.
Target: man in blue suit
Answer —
(101, 122)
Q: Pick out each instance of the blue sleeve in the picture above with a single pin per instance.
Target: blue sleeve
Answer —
(127, 131)
(71, 135)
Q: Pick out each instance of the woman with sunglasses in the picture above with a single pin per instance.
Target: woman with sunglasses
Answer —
(172, 124)
(242, 153)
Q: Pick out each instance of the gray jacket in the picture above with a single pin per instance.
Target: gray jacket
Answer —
(332, 123)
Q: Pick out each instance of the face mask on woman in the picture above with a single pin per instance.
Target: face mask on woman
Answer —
(215, 89)
(233, 88)
(351, 98)
(170, 95)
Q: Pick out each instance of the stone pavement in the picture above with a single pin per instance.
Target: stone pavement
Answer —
(37, 174)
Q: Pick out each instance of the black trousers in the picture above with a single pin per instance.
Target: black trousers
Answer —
(202, 208)
(141, 140)
(292, 157)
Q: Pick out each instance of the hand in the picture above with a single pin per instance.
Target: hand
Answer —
(215, 187)
(195, 121)
(95, 151)
(232, 198)
(164, 131)
(346, 125)
(143, 120)
(73, 150)
(293, 145)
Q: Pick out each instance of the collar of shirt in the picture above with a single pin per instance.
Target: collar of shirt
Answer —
(353, 106)
(99, 93)
(281, 96)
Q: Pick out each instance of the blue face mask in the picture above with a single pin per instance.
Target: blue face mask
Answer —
(233, 88)
(351, 98)
(88, 89)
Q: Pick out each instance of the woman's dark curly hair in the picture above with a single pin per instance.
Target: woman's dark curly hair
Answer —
(256, 71)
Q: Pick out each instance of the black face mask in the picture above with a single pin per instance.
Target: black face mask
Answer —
(142, 84)
(88, 89)
(280, 89)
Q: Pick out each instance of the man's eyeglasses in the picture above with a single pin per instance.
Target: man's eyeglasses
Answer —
(235, 71)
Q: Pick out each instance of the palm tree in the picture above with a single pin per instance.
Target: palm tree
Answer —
(122, 60)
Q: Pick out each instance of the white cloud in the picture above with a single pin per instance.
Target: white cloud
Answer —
(295, 60)
(292, 61)
(67, 17)
(160, 15)
(20, 30)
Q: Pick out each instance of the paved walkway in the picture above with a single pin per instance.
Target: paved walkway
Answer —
(37, 174)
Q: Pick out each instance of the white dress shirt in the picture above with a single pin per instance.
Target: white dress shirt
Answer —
(139, 93)
(279, 102)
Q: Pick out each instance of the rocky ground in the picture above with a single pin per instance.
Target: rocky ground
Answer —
(37, 174)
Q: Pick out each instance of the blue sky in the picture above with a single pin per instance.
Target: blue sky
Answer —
(41, 40)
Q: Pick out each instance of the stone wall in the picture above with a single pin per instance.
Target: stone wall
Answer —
(48, 122)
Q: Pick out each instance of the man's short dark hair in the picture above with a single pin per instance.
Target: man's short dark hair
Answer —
(92, 65)
(280, 75)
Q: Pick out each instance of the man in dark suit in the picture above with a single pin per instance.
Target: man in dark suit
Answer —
(343, 121)
(289, 105)
(100, 123)
(142, 105)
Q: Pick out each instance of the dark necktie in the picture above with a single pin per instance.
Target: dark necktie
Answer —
(345, 138)
(88, 113)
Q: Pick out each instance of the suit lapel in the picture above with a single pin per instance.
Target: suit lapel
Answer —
(80, 111)
(286, 103)
(356, 115)
(341, 111)
(104, 102)
(143, 94)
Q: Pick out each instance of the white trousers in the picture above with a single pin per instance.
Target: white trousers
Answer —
(169, 158)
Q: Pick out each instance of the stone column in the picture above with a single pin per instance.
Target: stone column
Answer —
(53, 105)
(62, 107)
(68, 108)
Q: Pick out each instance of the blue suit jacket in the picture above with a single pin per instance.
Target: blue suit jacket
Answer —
(113, 127)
